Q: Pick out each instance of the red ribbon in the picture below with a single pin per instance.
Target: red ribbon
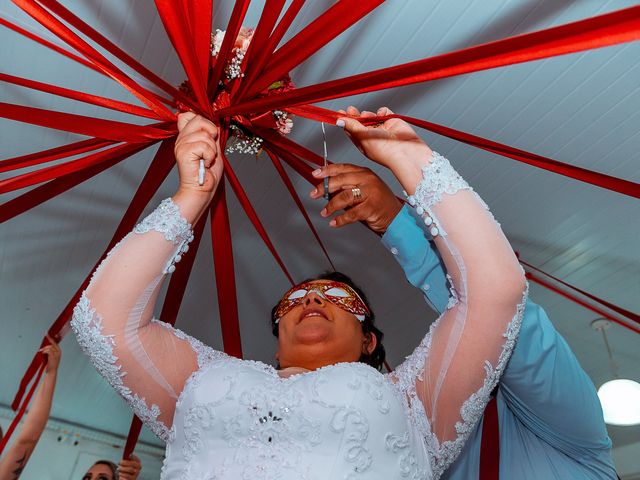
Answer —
(59, 29)
(7, 436)
(94, 127)
(224, 55)
(294, 195)
(340, 16)
(45, 192)
(109, 46)
(156, 173)
(222, 248)
(252, 215)
(490, 447)
(255, 67)
(268, 19)
(48, 44)
(52, 154)
(608, 182)
(132, 437)
(174, 18)
(531, 276)
(81, 96)
(601, 31)
(63, 169)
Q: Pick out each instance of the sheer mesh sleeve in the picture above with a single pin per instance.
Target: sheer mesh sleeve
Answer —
(145, 360)
(448, 379)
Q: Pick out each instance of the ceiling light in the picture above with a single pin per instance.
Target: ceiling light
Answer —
(620, 398)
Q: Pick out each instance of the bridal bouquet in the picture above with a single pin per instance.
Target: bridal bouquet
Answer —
(242, 140)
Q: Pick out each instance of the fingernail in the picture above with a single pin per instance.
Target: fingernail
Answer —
(314, 192)
(340, 123)
(323, 212)
(332, 223)
(316, 172)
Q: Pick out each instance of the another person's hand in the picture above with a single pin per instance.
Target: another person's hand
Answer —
(129, 469)
(198, 139)
(391, 143)
(53, 354)
(376, 205)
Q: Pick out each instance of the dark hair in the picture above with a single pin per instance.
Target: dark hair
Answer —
(375, 358)
(112, 466)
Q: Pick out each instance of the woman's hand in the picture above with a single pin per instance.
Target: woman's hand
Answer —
(361, 193)
(198, 139)
(53, 354)
(129, 469)
(391, 143)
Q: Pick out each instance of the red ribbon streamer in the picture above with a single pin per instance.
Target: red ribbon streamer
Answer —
(117, 52)
(621, 311)
(132, 437)
(23, 408)
(61, 170)
(339, 17)
(255, 68)
(200, 15)
(490, 446)
(224, 55)
(81, 96)
(52, 154)
(604, 30)
(294, 195)
(252, 215)
(531, 276)
(156, 173)
(80, 124)
(268, 19)
(59, 29)
(48, 44)
(45, 192)
(222, 248)
(608, 182)
(174, 19)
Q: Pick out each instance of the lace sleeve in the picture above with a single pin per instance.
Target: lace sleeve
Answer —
(449, 377)
(146, 361)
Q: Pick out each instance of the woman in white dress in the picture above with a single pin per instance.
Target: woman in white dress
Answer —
(323, 414)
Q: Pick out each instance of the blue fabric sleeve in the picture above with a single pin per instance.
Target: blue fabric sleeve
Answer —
(421, 263)
(547, 389)
(543, 384)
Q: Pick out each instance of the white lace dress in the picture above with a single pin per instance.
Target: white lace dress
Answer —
(225, 418)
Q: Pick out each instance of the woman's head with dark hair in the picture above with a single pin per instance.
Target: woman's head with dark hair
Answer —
(318, 332)
(102, 470)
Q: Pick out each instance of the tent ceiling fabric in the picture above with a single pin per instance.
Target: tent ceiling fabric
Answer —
(582, 109)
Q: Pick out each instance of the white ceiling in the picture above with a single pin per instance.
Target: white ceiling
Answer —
(582, 109)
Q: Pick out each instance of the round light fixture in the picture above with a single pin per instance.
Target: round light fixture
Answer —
(620, 400)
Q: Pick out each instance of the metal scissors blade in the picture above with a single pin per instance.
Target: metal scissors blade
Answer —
(326, 179)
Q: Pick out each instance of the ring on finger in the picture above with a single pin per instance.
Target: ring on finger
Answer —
(357, 193)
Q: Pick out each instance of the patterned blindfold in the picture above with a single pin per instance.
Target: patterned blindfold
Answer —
(338, 293)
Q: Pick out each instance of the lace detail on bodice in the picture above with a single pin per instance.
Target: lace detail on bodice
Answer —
(87, 326)
(167, 220)
(342, 421)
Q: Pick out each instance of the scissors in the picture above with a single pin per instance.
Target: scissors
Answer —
(326, 179)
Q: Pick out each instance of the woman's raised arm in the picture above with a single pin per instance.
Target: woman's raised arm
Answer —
(450, 376)
(146, 361)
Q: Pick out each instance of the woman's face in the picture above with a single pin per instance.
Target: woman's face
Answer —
(317, 332)
(98, 472)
